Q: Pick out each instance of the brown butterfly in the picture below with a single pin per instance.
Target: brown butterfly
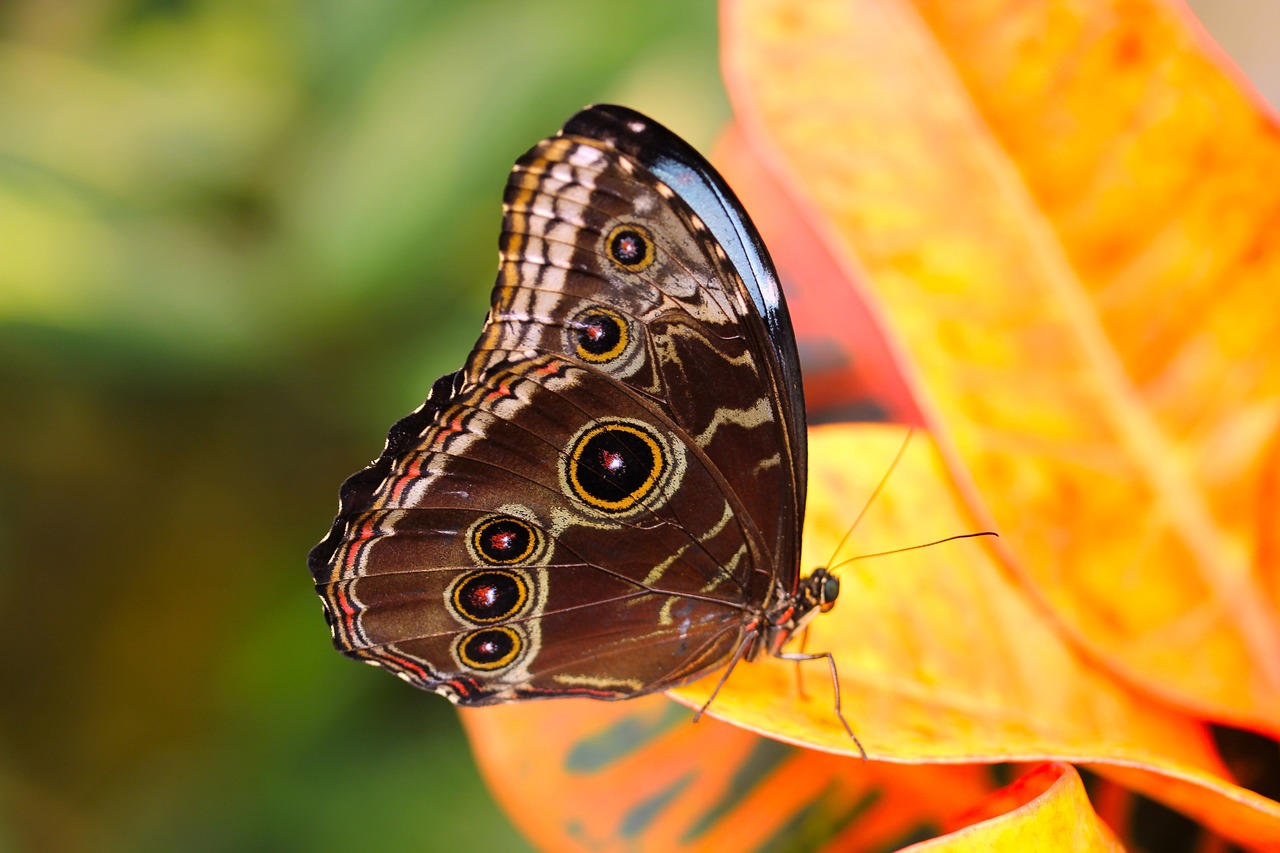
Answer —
(607, 499)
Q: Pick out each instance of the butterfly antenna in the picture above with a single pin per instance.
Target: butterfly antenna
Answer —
(849, 560)
(874, 494)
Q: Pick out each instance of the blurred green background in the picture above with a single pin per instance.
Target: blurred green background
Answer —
(238, 239)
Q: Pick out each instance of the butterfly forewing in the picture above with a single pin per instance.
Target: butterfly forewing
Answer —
(687, 334)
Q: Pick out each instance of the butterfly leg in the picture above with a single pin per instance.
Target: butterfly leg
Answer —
(835, 686)
(804, 641)
(747, 640)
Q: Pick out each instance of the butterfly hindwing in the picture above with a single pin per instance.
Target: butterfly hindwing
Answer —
(585, 577)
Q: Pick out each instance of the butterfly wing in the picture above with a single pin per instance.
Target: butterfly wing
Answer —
(712, 202)
(712, 343)
(598, 500)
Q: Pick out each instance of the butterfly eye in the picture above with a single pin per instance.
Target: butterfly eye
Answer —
(830, 591)
(489, 648)
(490, 596)
(600, 335)
(630, 247)
(614, 465)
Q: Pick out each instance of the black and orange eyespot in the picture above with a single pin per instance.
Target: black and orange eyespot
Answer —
(630, 247)
(489, 648)
(614, 465)
(599, 335)
(504, 540)
(490, 596)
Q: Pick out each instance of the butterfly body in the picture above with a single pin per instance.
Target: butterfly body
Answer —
(606, 499)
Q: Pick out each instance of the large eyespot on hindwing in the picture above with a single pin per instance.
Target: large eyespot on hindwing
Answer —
(630, 247)
(489, 649)
(505, 540)
(617, 466)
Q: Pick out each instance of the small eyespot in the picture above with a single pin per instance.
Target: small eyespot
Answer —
(630, 247)
(600, 335)
(504, 540)
(489, 648)
(490, 596)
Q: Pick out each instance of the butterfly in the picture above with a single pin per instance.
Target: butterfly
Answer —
(607, 499)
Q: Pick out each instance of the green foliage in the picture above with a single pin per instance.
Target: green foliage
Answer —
(237, 240)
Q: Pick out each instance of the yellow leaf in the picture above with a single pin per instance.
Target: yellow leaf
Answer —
(1047, 809)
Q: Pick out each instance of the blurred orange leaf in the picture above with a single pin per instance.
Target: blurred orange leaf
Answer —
(1066, 215)
(639, 776)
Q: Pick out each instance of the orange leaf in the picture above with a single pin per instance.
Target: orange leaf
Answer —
(1047, 809)
(1067, 214)
(942, 657)
(638, 776)
(850, 368)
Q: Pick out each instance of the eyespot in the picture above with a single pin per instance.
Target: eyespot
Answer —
(504, 540)
(614, 465)
(599, 335)
(490, 596)
(630, 247)
(489, 648)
